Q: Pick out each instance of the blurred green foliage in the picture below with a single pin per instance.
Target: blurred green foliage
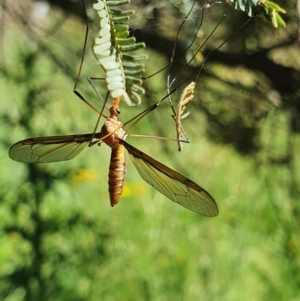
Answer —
(60, 238)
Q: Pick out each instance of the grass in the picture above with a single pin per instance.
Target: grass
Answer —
(146, 247)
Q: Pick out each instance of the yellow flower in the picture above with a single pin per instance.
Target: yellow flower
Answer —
(134, 188)
(84, 175)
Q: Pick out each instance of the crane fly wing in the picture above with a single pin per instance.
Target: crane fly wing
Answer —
(173, 185)
(49, 149)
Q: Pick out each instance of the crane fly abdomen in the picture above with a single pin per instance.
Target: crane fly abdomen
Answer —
(117, 173)
(112, 128)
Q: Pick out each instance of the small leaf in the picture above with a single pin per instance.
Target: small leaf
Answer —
(274, 6)
(271, 9)
(280, 21)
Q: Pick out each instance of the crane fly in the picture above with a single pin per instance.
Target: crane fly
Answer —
(61, 148)
(170, 183)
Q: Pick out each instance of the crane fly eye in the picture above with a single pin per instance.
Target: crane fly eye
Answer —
(118, 110)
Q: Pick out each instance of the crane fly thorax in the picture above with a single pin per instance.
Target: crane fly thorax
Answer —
(112, 128)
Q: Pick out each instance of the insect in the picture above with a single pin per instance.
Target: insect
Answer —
(170, 183)
(61, 148)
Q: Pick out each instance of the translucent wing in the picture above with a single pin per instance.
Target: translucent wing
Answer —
(49, 149)
(173, 185)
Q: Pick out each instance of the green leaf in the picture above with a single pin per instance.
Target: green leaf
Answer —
(271, 10)
(113, 47)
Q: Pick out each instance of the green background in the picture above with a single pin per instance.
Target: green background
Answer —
(61, 240)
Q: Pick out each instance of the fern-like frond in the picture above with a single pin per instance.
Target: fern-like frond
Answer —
(113, 48)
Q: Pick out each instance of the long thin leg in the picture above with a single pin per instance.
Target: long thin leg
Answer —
(77, 93)
(82, 59)
(159, 138)
(168, 92)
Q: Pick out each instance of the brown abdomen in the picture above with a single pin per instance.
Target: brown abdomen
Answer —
(117, 173)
